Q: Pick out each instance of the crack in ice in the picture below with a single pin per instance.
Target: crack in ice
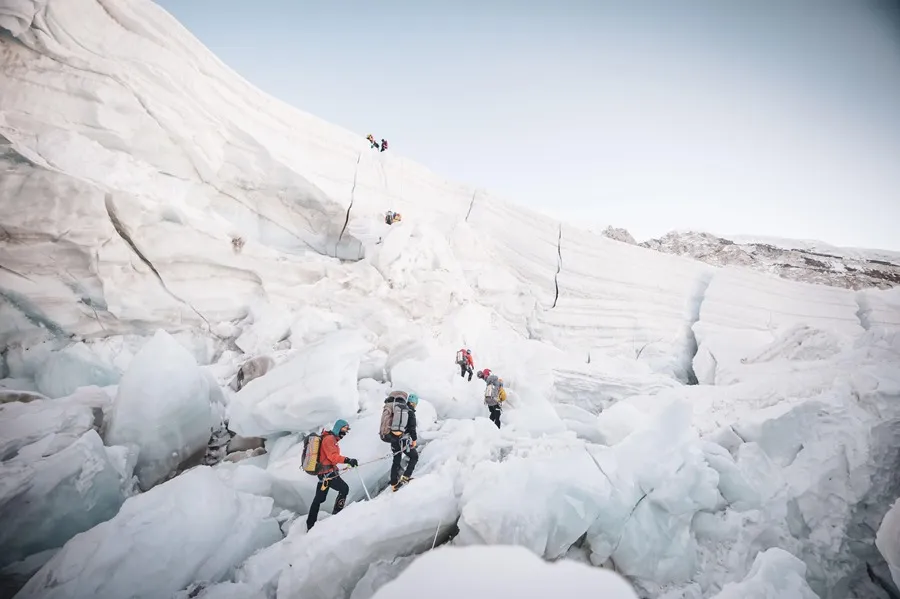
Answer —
(558, 265)
(126, 237)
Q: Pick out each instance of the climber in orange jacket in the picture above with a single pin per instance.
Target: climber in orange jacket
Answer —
(329, 476)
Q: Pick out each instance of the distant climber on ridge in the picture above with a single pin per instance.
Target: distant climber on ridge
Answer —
(384, 145)
(494, 394)
(392, 217)
(329, 456)
(371, 139)
(398, 427)
(465, 362)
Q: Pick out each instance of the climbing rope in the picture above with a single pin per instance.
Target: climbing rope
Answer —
(384, 457)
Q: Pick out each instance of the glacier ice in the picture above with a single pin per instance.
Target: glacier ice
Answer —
(66, 370)
(660, 479)
(888, 540)
(327, 562)
(132, 161)
(378, 574)
(566, 493)
(775, 573)
(189, 529)
(57, 423)
(162, 407)
(44, 503)
(315, 385)
(269, 324)
(452, 572)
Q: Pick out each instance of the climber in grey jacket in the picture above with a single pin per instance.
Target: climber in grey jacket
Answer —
(494, 394)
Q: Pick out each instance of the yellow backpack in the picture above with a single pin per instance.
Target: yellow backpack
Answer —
(502, 395)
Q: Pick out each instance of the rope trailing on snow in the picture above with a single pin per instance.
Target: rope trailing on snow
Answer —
(384, 457)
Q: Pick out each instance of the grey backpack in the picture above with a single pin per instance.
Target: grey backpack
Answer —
(394, 416)
(490, 395)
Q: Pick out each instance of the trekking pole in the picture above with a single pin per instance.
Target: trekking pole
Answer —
(363, 483)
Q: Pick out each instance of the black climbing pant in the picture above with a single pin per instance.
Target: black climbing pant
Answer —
(495, 414)
(411, 453)
(463, 369)
(326, 483)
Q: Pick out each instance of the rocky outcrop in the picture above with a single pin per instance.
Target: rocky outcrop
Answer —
(850, 271)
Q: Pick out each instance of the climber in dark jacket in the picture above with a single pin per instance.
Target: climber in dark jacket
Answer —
(405, 444)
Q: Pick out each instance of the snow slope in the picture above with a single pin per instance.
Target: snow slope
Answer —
(146, 186)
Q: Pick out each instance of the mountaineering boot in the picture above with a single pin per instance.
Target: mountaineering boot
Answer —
(403, 481)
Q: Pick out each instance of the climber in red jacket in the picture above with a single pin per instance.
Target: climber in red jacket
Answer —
(465, 362)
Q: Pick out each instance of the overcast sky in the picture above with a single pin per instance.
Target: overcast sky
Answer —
(772, 117)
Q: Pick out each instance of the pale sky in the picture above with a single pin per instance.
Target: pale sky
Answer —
(771, 117)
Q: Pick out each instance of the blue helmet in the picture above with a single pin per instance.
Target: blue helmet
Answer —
(338, 426)
(413, 399)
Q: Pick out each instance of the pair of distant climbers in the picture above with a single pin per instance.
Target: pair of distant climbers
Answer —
(392, 217)
(322, 454)
(375, 145)
(494, 394)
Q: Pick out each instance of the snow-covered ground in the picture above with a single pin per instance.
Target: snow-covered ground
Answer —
(693, 430)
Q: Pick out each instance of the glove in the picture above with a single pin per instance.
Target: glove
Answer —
(353, 462)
